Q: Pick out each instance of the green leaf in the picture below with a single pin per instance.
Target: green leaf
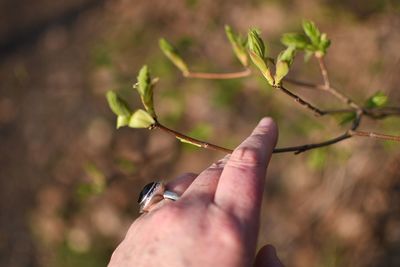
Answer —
(319, 42)
(172, 54)
(144, 81)
(324, 43)
(312, 32)
(255, 43)
(287, 55)
(285, 60)
(122, 121)
(262, 66)
(282, 69)
(377, 100)
(298, 40)
(257, 54)
(141, 119)
(145, 89)
(117, 105)
(237, 45)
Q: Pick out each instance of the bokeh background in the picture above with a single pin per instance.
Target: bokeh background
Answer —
(69, 180)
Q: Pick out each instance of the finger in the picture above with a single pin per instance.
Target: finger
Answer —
(266, 257)
(241, 183)
(181, 183)
(205, 184)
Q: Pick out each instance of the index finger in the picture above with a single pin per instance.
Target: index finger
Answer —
(241, 184)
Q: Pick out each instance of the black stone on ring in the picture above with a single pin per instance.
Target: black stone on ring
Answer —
(153, 193)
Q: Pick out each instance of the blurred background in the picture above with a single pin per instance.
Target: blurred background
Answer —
(69, 180)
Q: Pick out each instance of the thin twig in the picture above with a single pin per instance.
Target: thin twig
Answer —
(381, 113)
(219, 76)
(360, 112)
(303, 148)
(191, 140)
(344, 136)
(375, 135)
(375, 113)
(327, 86)
(301, 101)
(296, 149)
(324, 71)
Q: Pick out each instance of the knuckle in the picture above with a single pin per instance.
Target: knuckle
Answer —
(246, 156)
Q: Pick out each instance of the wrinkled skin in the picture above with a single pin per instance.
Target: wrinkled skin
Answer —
(216, 220)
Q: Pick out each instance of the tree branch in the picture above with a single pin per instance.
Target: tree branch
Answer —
(296, 149)
(218, 76)
(381, 113)
(375, 113)
(324, 70)
(303, 148)
(375, 135)
(327, 86)
(190, 140)
(301, 101)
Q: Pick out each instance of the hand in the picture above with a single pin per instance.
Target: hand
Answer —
(216, 220)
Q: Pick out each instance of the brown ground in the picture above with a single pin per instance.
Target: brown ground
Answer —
(69, 180)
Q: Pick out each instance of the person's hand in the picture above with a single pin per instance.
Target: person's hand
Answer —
(215, 222)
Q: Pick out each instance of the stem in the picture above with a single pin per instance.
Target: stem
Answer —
(191, 140)
(327, 86)
(380, 113)
(301, 101)
(303, 148)
(375, 135)
(219, 76)
(375, 113)
(324, 70)
(296, 149)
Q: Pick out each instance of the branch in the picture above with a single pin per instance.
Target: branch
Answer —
(301, 101)
(344, 136)
(303, 148)
(218, 76)
(327, 86)
(375, 113)
(296, 149)
(324, 71)
(381, 113)
(375, 135)
(190, 140)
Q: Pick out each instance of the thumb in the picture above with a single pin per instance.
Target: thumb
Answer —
(266, 257)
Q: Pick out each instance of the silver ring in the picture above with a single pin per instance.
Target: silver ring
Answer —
(153, 193)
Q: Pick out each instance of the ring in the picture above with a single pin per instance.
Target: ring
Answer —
(153, 193)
